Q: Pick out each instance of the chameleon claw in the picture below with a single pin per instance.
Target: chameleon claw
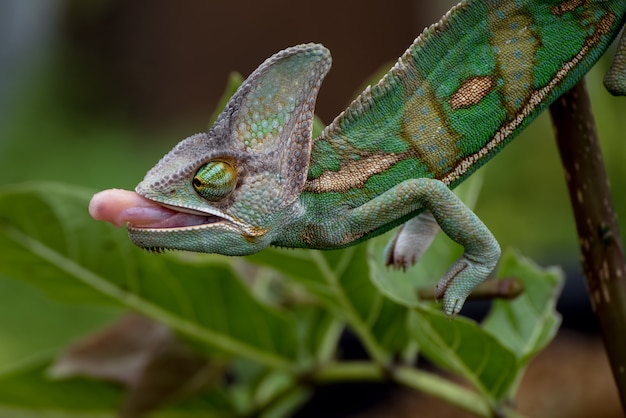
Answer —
(411, 241)
(452, 302)
(462, 277)
(453, 307)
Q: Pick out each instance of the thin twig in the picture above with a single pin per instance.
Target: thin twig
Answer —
(505, 288)
(420, 380)
(599, 239)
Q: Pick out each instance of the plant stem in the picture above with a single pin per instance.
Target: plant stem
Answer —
(216, 339)
(505, 288)
(410, 377)
(348, 371)
(599, 239)
(352, 317)
(440, 388)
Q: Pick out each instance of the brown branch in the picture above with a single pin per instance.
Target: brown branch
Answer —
(601, 249)
(504, 288)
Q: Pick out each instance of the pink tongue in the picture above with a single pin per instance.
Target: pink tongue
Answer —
(122, 206)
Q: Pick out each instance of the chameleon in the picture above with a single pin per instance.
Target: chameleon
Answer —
(460, 93)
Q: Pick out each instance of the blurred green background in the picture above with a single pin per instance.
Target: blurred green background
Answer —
(94, 93)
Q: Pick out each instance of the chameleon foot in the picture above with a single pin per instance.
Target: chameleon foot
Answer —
(461, 278)
(411, 241)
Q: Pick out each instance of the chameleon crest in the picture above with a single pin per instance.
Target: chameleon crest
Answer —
(458, 95)
(234, 180)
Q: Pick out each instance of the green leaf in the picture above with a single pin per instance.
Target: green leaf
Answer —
(528, 323)
(318, 126)
(297, 265)
(341, 280)
(401, 286)
(286, 405)
(35, 328)
(461, 346)
(384, 319)
(234, 81)
(493, 356)
(29, 393)
(50, 241)
(318, 333)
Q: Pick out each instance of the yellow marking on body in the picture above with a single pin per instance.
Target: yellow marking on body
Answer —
(426, 129)
(352, 173)
(471, 92)
(515, 48)
(535, 99)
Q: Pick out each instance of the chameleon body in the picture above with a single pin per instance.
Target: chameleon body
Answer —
(459, 94)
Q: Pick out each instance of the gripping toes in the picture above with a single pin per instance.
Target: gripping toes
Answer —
(463, 276)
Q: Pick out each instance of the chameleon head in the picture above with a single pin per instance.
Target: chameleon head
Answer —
(188, 201)
(232, 187)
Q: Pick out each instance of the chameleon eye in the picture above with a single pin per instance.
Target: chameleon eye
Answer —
(215, 180)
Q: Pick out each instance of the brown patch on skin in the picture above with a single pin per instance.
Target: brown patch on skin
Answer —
(471, 92)
(535, 99)
(566, 6)
(309, 235)
(352, 173)
(604, 26)
(327, 235)
(254, 233)
(348, 238)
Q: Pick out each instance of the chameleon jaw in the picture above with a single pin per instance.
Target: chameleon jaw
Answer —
(199, 232)
(180, 220)
(191, 230)
(139, 213)
(180, 223)
(170, 218)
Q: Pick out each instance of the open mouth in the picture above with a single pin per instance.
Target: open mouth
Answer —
(123, 207)
(165, 218)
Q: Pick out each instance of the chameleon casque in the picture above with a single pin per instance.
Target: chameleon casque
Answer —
(465, 87)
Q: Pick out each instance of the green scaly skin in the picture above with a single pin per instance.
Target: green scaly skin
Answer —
(458, 95)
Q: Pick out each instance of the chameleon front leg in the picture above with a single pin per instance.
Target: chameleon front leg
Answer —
(455, 219)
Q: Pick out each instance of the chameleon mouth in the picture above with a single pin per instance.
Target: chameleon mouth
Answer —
(123, 207)
(166, 218)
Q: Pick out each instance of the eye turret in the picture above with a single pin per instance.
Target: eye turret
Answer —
(215, 180)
